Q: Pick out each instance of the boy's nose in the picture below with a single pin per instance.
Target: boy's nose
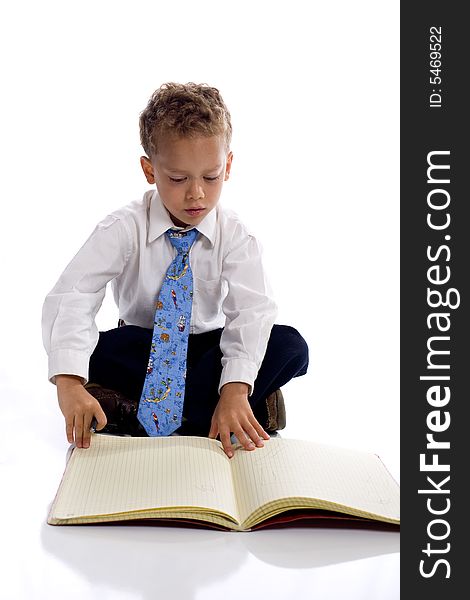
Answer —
(195, 191)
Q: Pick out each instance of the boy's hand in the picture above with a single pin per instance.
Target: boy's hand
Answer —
(78, 407)
(233, 413)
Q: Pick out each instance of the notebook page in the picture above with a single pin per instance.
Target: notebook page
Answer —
(300, 468)
(118, 474)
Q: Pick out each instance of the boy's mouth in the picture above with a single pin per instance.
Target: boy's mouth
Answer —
(194, 212)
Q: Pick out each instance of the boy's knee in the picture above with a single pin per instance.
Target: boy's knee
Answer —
(293, 345)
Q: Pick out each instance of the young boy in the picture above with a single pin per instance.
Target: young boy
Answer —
(224, 373)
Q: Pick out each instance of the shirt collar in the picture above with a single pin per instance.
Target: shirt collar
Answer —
(160, 221)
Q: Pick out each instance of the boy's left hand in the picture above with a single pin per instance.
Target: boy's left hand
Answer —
(233, 413)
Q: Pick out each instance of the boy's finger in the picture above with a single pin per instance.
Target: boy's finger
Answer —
(226, 443)
(101, 419)
(251, 431)
(86, 436)
(213, 431)
(79, 431)
(86, 430)
(261, 432)
(243, 439)
(69, 429)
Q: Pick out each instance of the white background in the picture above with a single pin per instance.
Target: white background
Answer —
(313, 89)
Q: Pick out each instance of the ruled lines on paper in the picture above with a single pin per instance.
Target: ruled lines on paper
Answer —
(286, 468)
(123, 474)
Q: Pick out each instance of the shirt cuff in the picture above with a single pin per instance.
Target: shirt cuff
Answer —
(68, 362)
(239, 369)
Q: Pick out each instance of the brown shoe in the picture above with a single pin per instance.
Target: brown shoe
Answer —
(121, 413)
(276, 411)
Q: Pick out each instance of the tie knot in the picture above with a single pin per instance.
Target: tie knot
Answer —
(182, 240)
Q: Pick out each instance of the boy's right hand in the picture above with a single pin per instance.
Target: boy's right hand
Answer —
(78, 407)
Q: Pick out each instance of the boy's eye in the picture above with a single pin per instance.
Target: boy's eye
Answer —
(181, 179)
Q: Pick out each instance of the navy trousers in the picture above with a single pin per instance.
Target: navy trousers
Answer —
(120, 360)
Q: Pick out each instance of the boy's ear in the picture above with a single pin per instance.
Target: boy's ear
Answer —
(228, 165)
(147, 168)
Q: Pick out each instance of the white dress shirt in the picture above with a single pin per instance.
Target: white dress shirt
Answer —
(129, 249)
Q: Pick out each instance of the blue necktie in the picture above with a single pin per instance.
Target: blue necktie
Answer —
(161, 403)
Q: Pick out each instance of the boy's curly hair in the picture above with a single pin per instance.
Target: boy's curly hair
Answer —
(183, 110)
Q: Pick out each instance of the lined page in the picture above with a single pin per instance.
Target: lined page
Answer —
(120, 474)
(286, 468)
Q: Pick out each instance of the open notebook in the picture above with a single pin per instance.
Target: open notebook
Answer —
(191, 480)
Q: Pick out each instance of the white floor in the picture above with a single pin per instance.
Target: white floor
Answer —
(328, 224)
(122, 562)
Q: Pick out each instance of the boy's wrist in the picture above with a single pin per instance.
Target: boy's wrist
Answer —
(67, 381)
(237, 387)
(238, 370)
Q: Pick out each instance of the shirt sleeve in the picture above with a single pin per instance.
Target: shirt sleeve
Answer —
(250, 312)
(69, 330)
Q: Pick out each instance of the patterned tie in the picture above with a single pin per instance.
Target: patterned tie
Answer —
(161, 403)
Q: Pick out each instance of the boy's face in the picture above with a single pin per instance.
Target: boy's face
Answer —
(189, 174)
